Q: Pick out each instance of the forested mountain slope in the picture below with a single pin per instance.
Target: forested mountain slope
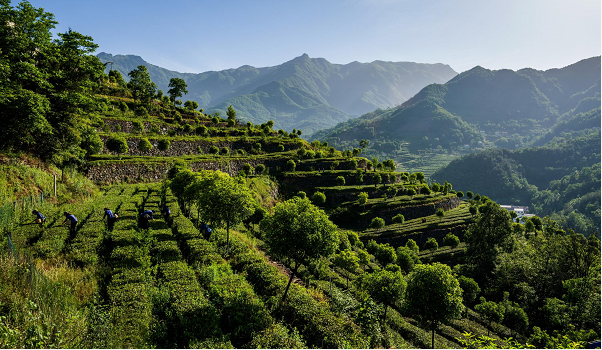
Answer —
(307, 93)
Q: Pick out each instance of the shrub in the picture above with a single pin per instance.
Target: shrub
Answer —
(213, 150)
(301, 194)
(291, 165)
(257, 147)
(117, 144)
(224, 151)
(140, 111)
(301, 152)
(281, 148)
(377, 222)
(163, 145)
(178, 117)
(318, 198)
(144, 145)
(398, 219)
(201, 130)
(340, 181)
(431, 244)
(215, 120)
(123, 106)
(310, 154)
(451, 240)
(259, 169)
(425, 190)
(231, 122)
(247, 168)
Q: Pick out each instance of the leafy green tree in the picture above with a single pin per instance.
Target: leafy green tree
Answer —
(385, 287)
(144, 145)
(297, 233)
(459, 194)
(425, 190)
(436, 187)
(492, 311)
(413, 246)
(469, 194)
(224, 201)
(377, 223)
(473, 210)
(247, 169)
(364, 144)
(419, 176)
(137, 127)
(364, 257)
(291, 165)
(392, 191)
(470, 289)
(318, 198)
(163, 145)
(231, 113)
(385, 254)
(398, 219)
(117, 144)
(213, 150)
(301, 194)
(340, 181)
(376, 179)
(406, 259)
(348, 261)
(433, 296)
(431, 244)
(191, 105)
(411, 192)
(91, 143)
(177, 87)
(141, 85)
(141, 112)
(451, 240)
(489, 235)
(529, 226)
(362, 198)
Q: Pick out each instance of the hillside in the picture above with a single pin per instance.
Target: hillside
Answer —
(303, 93)
(475, 110)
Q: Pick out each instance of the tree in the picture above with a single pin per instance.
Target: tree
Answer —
(433, 296)
(487, 237)
(459, 194)
(177, 87)
(364, 257)
(385, 254)
(469, 194)
(413, 246)
(470, 289)
(117, 144)
(405, 259)
(492, 311)
(398, 219)
(435, 187)
(318, 198)
(440, 214)
(348, 261)
(340, 181)
(141, 85)
(377, 223)
(376, 179)
(163, 145)
(362, 199)
(411, 192)
(385, 287)
(224, 201)
(259, 169)
(425, 190)
(144, 145)
(231, 113)
(297, 233)
(451, 240)
(431, 244)
(364, 144)
(419, 176)
(191, 105)
(291, 165)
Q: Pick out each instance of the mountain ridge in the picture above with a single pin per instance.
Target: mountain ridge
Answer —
(334, 92)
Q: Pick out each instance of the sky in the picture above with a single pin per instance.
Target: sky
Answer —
(195, 36)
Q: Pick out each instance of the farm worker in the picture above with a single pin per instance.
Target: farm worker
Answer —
(41, 219)
(73, 219)
(111, 218)
(144, 217)
(166, 213)
(205, 230)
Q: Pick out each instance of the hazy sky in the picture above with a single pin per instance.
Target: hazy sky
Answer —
(201, 35)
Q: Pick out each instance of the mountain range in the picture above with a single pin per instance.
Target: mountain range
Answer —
(304, 93)
(477, 108)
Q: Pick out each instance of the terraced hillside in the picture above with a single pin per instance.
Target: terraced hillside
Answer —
(170, 287)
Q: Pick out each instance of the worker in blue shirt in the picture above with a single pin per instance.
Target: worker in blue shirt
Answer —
(111, 218)
(166, 213)
(40, 219)
(144, 217)
(205, 230)
(73, 219)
